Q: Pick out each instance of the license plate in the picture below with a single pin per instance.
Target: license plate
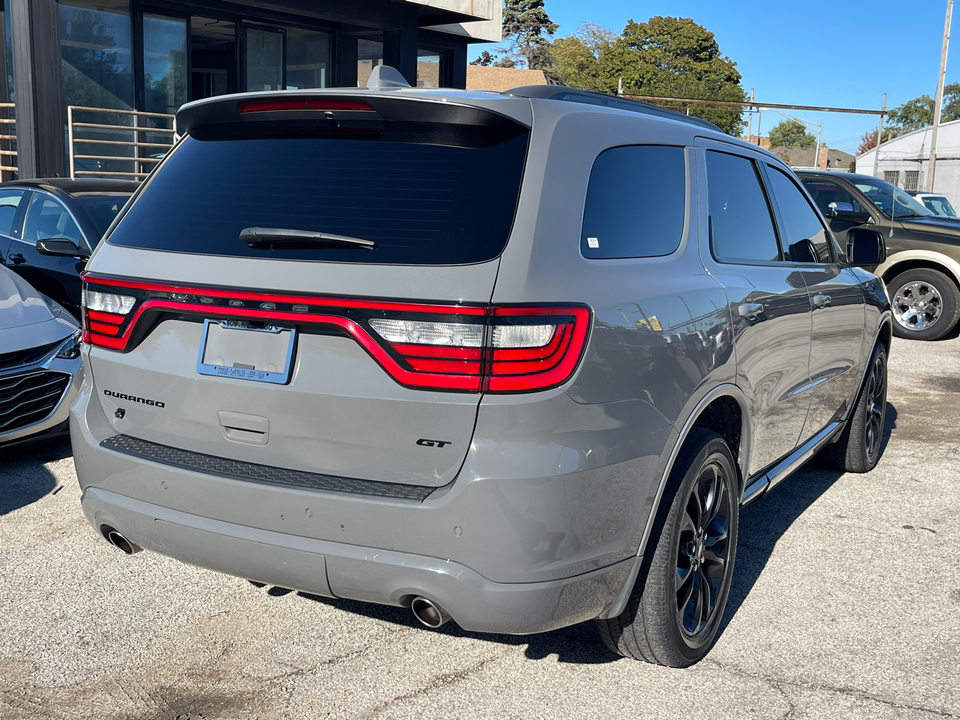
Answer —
(235, 349)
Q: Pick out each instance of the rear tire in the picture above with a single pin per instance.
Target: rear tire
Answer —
(677, 604)
(859, 446)
(925, 304)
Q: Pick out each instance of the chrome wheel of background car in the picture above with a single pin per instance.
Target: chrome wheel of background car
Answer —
(917, 305)
(925, 303)
(702, 552)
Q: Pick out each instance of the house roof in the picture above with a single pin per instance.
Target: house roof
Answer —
(498, 79)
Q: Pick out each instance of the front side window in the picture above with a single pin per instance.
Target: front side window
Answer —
(47, 218)
(803, 234)
(9, 202)
(741, 225)
(635, 203)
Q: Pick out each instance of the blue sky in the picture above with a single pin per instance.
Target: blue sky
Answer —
(844, 53)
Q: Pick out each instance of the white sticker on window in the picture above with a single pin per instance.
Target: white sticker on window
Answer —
(593, 243)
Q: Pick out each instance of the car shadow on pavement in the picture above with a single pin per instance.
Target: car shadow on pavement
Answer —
(766, 521)
(578, 644)
(761, 527)
(23, 478)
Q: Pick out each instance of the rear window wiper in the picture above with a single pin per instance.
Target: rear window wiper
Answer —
(277, 236)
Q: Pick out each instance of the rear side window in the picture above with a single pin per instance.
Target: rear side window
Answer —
(741, 226)
(422, 204)
(9, 202)
(635, 203)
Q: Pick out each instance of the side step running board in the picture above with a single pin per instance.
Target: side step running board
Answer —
(758, 485)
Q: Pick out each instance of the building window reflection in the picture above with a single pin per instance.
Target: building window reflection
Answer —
(369, 55)
(96, 41)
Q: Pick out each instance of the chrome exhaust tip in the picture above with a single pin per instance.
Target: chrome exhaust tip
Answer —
(119, 541)
(428, 612)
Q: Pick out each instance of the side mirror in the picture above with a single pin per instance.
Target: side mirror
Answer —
(844, 211)
(61, 247)
(865, 247)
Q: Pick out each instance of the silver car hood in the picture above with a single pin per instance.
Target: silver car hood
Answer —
(27, 319)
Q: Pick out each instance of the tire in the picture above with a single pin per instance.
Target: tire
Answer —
(859, 446)
(677, 603)
(925, 304)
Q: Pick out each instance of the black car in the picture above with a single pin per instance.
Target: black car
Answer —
(922, 269)
(49, 227)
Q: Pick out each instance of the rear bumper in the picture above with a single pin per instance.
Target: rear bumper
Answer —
(359, 573)
(500, 553)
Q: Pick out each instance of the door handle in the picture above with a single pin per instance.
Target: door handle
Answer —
(16, 259)
(821, 301)
(750, 310)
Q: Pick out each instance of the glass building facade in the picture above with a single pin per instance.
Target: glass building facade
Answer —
(152, 56)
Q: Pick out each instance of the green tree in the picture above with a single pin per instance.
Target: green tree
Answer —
(574, 60)
(674, 57)
(790, 133)
(488, 59)
(917, 114)
(528, 27)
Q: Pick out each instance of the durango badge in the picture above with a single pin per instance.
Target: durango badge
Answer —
(134, 398)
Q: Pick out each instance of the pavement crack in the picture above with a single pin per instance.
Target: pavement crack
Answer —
(780, 683)
(439, 682)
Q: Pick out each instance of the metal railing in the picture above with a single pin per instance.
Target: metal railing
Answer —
(8, 139)
(144, 148)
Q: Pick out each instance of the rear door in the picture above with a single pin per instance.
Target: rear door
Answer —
(836, 299)
(217, 329)
(768, 301)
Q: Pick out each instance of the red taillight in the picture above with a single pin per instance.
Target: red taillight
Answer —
(301, 103)
(457, 348)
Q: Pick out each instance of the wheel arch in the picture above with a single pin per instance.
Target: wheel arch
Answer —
(918, 259)
(723, 410)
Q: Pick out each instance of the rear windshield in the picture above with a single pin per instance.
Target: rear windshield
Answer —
(420, 203)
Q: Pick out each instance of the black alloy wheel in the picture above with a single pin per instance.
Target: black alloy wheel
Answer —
(859, 447)
(676, 608)
(703, 552)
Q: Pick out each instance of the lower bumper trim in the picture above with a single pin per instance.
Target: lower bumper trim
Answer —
(253, 472)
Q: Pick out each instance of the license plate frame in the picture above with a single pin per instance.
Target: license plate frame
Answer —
(218, 337)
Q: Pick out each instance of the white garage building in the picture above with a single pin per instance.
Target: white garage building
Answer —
(905, 161)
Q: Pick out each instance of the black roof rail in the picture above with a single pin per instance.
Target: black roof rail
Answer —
(561, 92)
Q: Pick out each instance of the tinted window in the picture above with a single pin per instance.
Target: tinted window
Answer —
(635, 203)
(741, 227)
(9, 200)
(102, 209)
(803, 234)
(47, 218)
(825, 192)
(420, 204)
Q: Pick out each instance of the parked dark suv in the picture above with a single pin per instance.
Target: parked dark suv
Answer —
(512, 359)
(922, 270)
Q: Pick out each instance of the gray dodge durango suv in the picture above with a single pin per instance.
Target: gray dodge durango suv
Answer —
(514, 360)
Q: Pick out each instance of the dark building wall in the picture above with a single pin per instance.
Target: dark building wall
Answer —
(37, 61)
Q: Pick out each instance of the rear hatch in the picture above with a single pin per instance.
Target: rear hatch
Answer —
(305, 281)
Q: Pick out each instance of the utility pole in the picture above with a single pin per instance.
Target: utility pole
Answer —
(938, 103)
(816, 153)
(876, 148)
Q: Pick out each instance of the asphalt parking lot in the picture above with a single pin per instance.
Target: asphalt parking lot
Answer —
(845, 604)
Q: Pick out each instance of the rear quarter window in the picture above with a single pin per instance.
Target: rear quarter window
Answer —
(635, 203)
